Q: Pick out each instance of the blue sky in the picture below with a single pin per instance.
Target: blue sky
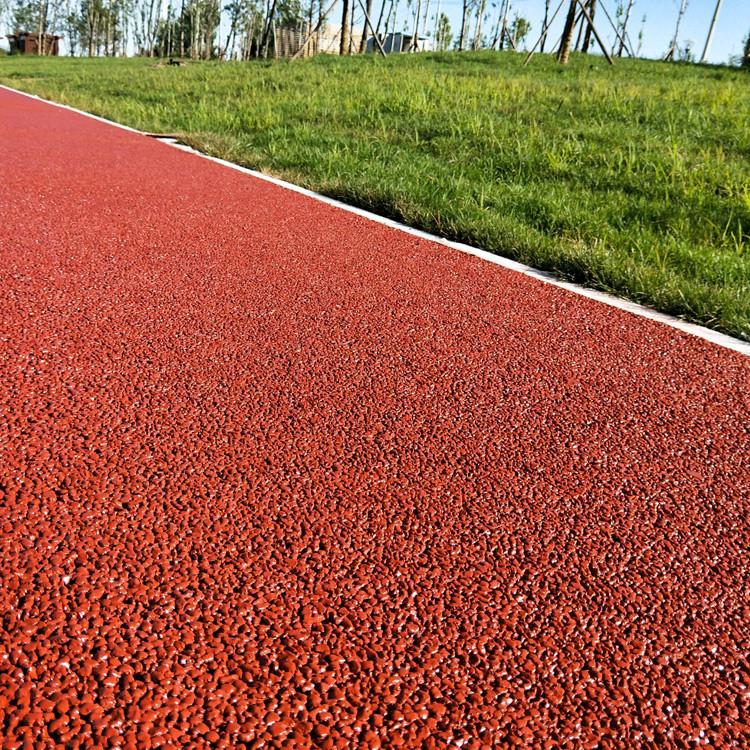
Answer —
(733, 25)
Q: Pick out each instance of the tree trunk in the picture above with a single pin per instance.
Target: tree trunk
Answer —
(267, 31)
(477, 42)
(363, 41)
(393, 30)
(344, 44)
(182, 29)
(544, 25)
(462, 38)
(108, 31)
(673, 46)
(426, 18)
(581, 27)
(621, 48)
(711, 30)
(40, 40)
(170, 28)
(587, 35)
(504, 25)
(563, 52)
(414, 45)
(380, 18)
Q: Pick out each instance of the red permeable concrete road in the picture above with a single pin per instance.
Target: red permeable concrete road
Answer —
(276, 474)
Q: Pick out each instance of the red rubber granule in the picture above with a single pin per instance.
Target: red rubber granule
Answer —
(273, 474)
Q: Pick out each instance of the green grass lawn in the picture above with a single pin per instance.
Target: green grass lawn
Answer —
(634, 179)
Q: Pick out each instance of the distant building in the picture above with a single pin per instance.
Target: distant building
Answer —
(26, 43)
(287, 42)
(400, 43)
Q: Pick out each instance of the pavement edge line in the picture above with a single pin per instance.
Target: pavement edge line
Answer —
(707, 334)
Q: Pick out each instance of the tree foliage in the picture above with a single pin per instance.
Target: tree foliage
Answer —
(443, 33)
(520, 29)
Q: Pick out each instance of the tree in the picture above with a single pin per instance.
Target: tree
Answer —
(414, 45)
(673, 44)
(290, 14)
(25, 15)
(464, 18)
(503, 34)
(519, 29)
(746, 53)
(711, 30)
(563, 53)
(477, 40)
(686, 54)
(543, 40)
(443, 34)
(363, 40)
(591, 7)
(146, 23)
(640, 35)
(39, 16)
(344, 46)
(73, 28)
(622, 15)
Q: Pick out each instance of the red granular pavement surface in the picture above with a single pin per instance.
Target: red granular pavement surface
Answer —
(274, 474)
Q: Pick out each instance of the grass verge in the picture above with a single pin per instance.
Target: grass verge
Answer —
(633, 179)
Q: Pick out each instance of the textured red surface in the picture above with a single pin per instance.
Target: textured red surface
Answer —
(272, 473)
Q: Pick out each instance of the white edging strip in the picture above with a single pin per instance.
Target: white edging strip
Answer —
(720, 339)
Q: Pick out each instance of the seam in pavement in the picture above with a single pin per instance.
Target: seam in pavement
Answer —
(715, 337)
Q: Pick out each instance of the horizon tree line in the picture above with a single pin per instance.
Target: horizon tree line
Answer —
(246, 29)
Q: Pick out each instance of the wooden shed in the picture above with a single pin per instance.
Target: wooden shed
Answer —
(26, 43)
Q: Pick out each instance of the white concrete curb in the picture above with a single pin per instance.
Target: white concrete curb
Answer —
(720, 339)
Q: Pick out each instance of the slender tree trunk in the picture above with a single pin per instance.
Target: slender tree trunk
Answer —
(495, 34)
(169, 29)
(477, 42)
(40, 40)
(267, 31)
(581, 29)
(621, 47)
(504, 33)
(51, 27)
(425, 19)
(464, 14)
(563, 52)
(587, 35)
(363, 41)
(380, 18)
(393, 28)
(673, 46)
(344, 42)
(108, 31)
(182, 29)
(351, 32)
(711, 30)
(544, 26)
(414, 46)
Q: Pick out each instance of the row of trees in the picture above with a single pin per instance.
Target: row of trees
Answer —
(176, 28)
(203, 29)
(242, 29)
